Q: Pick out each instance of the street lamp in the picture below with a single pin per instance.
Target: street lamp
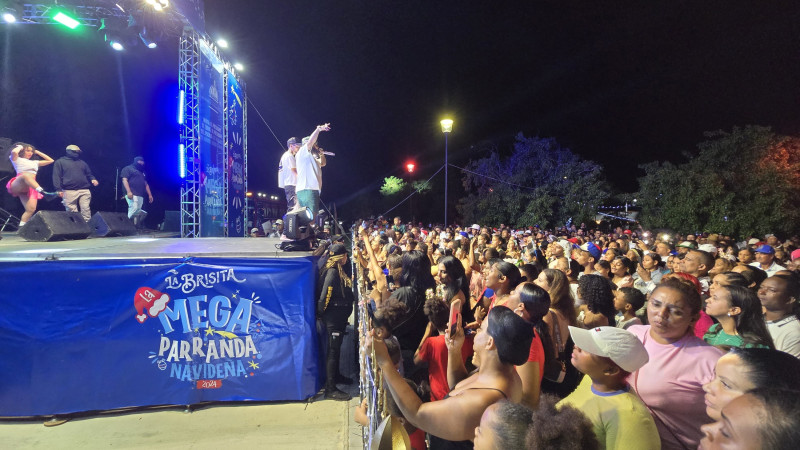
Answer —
(447, 127)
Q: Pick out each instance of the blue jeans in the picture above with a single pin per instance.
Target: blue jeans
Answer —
(310, 199)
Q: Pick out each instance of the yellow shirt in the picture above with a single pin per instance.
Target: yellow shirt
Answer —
(620, 419)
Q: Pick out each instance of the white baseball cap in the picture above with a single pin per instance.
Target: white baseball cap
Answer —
(621, 346)
(708, 248)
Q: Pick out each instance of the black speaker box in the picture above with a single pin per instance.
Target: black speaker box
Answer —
(110, 224)
(172, 221)
(55, 226)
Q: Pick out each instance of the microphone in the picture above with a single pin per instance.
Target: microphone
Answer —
(328, 153)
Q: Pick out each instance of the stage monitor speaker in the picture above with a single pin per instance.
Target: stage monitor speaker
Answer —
(172, 221)
(47, 226)
(110, 224)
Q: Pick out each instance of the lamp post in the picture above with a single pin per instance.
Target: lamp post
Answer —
(447, 127)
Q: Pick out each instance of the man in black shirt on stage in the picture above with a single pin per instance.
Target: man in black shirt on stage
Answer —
(136, 188)
(72, 178)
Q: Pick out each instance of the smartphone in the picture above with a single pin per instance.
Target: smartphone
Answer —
(455, 313)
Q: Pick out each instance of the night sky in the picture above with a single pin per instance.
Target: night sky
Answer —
(621, 85)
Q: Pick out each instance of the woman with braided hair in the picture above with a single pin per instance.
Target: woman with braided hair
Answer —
(334, 305)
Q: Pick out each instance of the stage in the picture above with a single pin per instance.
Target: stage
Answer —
(110, 323)
(149, 245)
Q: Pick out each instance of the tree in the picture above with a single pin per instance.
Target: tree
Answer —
(392, 185)
(539, 183)
(746, 182)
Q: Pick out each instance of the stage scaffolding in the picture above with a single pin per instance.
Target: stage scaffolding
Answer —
(190, 133)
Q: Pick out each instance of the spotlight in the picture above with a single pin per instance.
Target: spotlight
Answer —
(296, 224)
(13, 11)
(238, 66)
(222, 43)
(149, 43)
(115, 43)
(66, 20)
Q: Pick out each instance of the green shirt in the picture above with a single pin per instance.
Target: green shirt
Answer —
(718, 337)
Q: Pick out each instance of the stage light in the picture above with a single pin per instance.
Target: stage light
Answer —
(147, 41)
(296, 224)
(238, 66)
(182, 160)
(13, 11)
(116, 45)
(222, 43)
(66, 20)
(181, 106)
(248, 194)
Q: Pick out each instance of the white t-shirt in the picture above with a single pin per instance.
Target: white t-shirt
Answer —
(771, 270)
(309, 173)
(786, 335)
(287, 176)
(22, 165)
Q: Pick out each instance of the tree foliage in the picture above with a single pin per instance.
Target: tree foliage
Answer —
(539, 183)
(740, 183)
(392, 185)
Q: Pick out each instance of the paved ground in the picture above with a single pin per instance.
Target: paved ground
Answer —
(319, 425)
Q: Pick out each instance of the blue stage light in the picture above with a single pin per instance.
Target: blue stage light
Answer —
(181, 101)
(182, 159)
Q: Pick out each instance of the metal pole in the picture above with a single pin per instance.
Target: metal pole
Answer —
(445, 179)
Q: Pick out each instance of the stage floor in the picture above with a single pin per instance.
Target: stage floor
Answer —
(152, 245)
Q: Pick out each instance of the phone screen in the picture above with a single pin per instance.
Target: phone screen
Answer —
(455, 310)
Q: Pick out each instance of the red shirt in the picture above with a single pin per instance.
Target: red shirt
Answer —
(434, 352)
(537, 353)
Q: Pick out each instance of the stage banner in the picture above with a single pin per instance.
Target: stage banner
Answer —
(99, 335)
(212, 166)
(236, 194)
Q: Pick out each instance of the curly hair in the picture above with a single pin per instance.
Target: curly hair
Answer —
(391, 312)
(596, 292)
(563, 428)
(437, 312)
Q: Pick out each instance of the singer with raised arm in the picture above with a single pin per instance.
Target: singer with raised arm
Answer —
(310, 162)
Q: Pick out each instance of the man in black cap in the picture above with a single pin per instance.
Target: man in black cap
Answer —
(72, 178)
(136, 188)
(334, 306)
(287, 173)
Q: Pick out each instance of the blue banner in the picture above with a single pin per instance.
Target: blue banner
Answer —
(212, 166)
(99, 335)
(236, 194)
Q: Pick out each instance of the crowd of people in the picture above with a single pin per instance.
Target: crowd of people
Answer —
(580, 338)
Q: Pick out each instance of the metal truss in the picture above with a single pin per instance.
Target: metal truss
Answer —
(91, 13)
(189, 55)
(244, 150)
(225, 152)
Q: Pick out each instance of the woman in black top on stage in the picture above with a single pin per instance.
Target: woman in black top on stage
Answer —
(334, 306)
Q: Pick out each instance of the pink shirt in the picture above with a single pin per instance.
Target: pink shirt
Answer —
(671, 385)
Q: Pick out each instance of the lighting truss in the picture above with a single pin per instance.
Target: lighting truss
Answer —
(189, 55)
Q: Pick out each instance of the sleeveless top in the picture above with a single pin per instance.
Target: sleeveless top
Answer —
(438, 443)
